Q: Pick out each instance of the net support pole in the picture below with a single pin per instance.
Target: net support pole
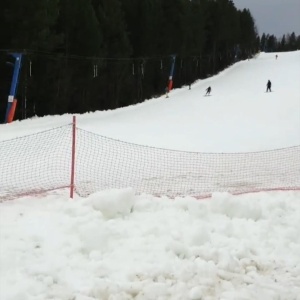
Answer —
(72, 184)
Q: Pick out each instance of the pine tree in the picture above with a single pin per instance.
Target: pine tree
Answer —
(117, 47)
(30, 24)
(248, 34)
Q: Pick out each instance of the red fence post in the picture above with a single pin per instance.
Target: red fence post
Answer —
(72, 185)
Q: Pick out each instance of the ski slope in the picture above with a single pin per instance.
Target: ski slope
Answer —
(114, 245)
(239, 116)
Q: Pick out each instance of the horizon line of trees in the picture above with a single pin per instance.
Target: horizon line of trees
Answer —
(288, 42)
(87, 55)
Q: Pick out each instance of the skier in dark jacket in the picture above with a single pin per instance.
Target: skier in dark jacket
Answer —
(208, 90)
(269, 86)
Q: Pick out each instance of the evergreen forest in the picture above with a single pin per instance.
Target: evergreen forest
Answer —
(87, 55)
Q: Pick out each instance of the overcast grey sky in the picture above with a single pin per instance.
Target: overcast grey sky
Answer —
(276, 17)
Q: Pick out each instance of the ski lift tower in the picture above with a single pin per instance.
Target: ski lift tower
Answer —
(12, 101)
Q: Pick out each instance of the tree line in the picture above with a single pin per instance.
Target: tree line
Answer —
(87, 55)
(288, 42)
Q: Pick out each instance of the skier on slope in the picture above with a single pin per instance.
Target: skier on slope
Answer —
(269, 84)
(208, 90)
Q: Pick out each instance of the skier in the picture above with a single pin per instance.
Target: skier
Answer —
(269, 86)
(208, 90)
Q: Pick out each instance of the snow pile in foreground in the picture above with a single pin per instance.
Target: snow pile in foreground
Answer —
(114, 245)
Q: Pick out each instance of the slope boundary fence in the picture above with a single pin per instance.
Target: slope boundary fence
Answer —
(85, 162)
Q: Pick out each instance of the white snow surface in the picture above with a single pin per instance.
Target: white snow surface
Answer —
(114, 245)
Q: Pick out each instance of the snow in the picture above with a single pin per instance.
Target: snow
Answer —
(243, 247)
(116, 245)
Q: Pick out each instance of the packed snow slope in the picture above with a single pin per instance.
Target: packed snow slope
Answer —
(239, 116)
(115, 246)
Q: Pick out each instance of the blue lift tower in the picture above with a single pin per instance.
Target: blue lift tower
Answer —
(12, 101)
